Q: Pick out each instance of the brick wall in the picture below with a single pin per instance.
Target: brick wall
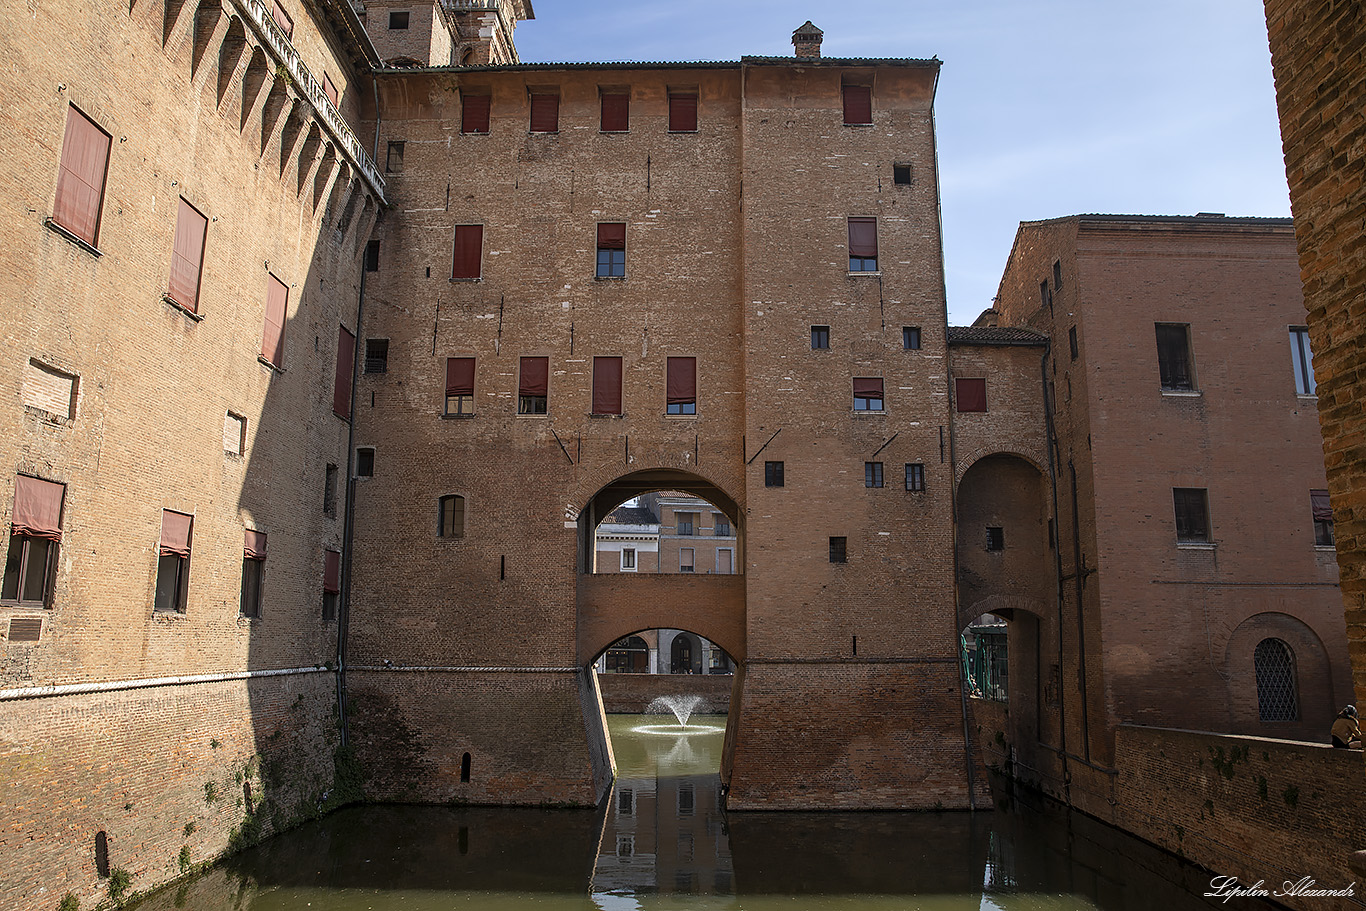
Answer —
(633, 693)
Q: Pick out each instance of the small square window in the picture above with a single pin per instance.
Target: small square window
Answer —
(393, 162)
(820, 337)
(365, 462)
(915, 477)
(901, 175)
(628, 559)
(398, 19)
(996, 538)
(451, 517)
(910, 338)
(773, 474)
(839, 552)
(376, 355)
(1192, 515)
(872, 474)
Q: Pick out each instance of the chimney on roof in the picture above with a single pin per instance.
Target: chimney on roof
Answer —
(807, 40)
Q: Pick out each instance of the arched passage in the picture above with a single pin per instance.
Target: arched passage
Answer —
(1002, 532)
(613, 605)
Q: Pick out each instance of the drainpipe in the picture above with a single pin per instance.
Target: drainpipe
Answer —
(349, 523)
(1057, 561)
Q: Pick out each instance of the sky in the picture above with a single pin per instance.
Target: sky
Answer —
(1045, 108)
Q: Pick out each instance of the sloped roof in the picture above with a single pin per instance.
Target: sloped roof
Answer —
(996, 335)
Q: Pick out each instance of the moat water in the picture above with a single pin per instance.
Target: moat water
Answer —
(663, 841)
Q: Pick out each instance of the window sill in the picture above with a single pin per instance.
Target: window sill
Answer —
(475, 132)
(477, 278)
(1183, 393)
(197, 317)
(48, 417)
(593, 416)
(167, 616)
(1307, 396)
(681, 417)
(248, 621)
(81, 242)
(609, 278)
(24, 605)
(870, 413)
(875, 272)
(848, 124)
(614, 133)
(1196, 545)
(1326, 548)
(543, 132)
(457, 417)
(261, 358)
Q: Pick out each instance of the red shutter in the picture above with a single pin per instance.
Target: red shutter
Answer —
(868, 387)
(80, 179)
(545, 113)
(37, 508)
(681, 380)
(474, 113)
(176, 528)
(330, 91)
(612, 236)
(459, 376)
(254, 545)
(187, 256)
(469, 250)
(863, 237)
(682, 113)
(341, 387)
(282, 19)
(970, 394)
(1318, 501)
(273, 338)
(607, 385)
(616, 113)
(858, 104)
(535, 378)
(331, 572)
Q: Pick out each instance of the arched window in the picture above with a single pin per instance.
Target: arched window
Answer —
(1275, 666)
(452, 520)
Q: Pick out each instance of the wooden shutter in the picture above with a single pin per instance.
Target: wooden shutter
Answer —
(80, 178)
(459, 376)
(330, 90)
(682, 113)
(858, 104)
(469, 250)
(535, 378)
(970, 394)
(341, 386)
(681, 380)
(868, 387)
(616, 112)
(545, 113)
(176, 528)
(254, 545)
(187, 256)
(37, 508)
(273, 338)
(332, 572)
(474, 113)
(863, 237)
(612, 236)
(607, 385)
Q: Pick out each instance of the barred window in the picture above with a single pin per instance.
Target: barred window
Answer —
(1274, 663)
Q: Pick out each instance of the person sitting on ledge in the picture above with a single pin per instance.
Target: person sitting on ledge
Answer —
(1346, 731)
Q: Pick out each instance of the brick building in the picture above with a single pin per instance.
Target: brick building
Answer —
(250, 572)
(1159, 543)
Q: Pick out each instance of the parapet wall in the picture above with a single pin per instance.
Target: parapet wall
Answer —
(632, 693)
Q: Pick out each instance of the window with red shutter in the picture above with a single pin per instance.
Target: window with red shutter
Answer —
(863, 245)
(80, 178)
(533, 387)
(459, 385)
(611, 250)
(330, 90)
(187, 257)
(469, 252)
(616, 112)
(545, 112)
(682, 112)
(283, 20)
(173, 561)
(867, 393)
(858, 104)
(474, 113)
(606, 385)
(35, 535)
(970, 394)
(681, 385)
(273, 335)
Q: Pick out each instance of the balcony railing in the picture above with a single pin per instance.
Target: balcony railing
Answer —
(471, 6)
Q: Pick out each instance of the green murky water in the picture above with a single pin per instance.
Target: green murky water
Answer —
(663, 842)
